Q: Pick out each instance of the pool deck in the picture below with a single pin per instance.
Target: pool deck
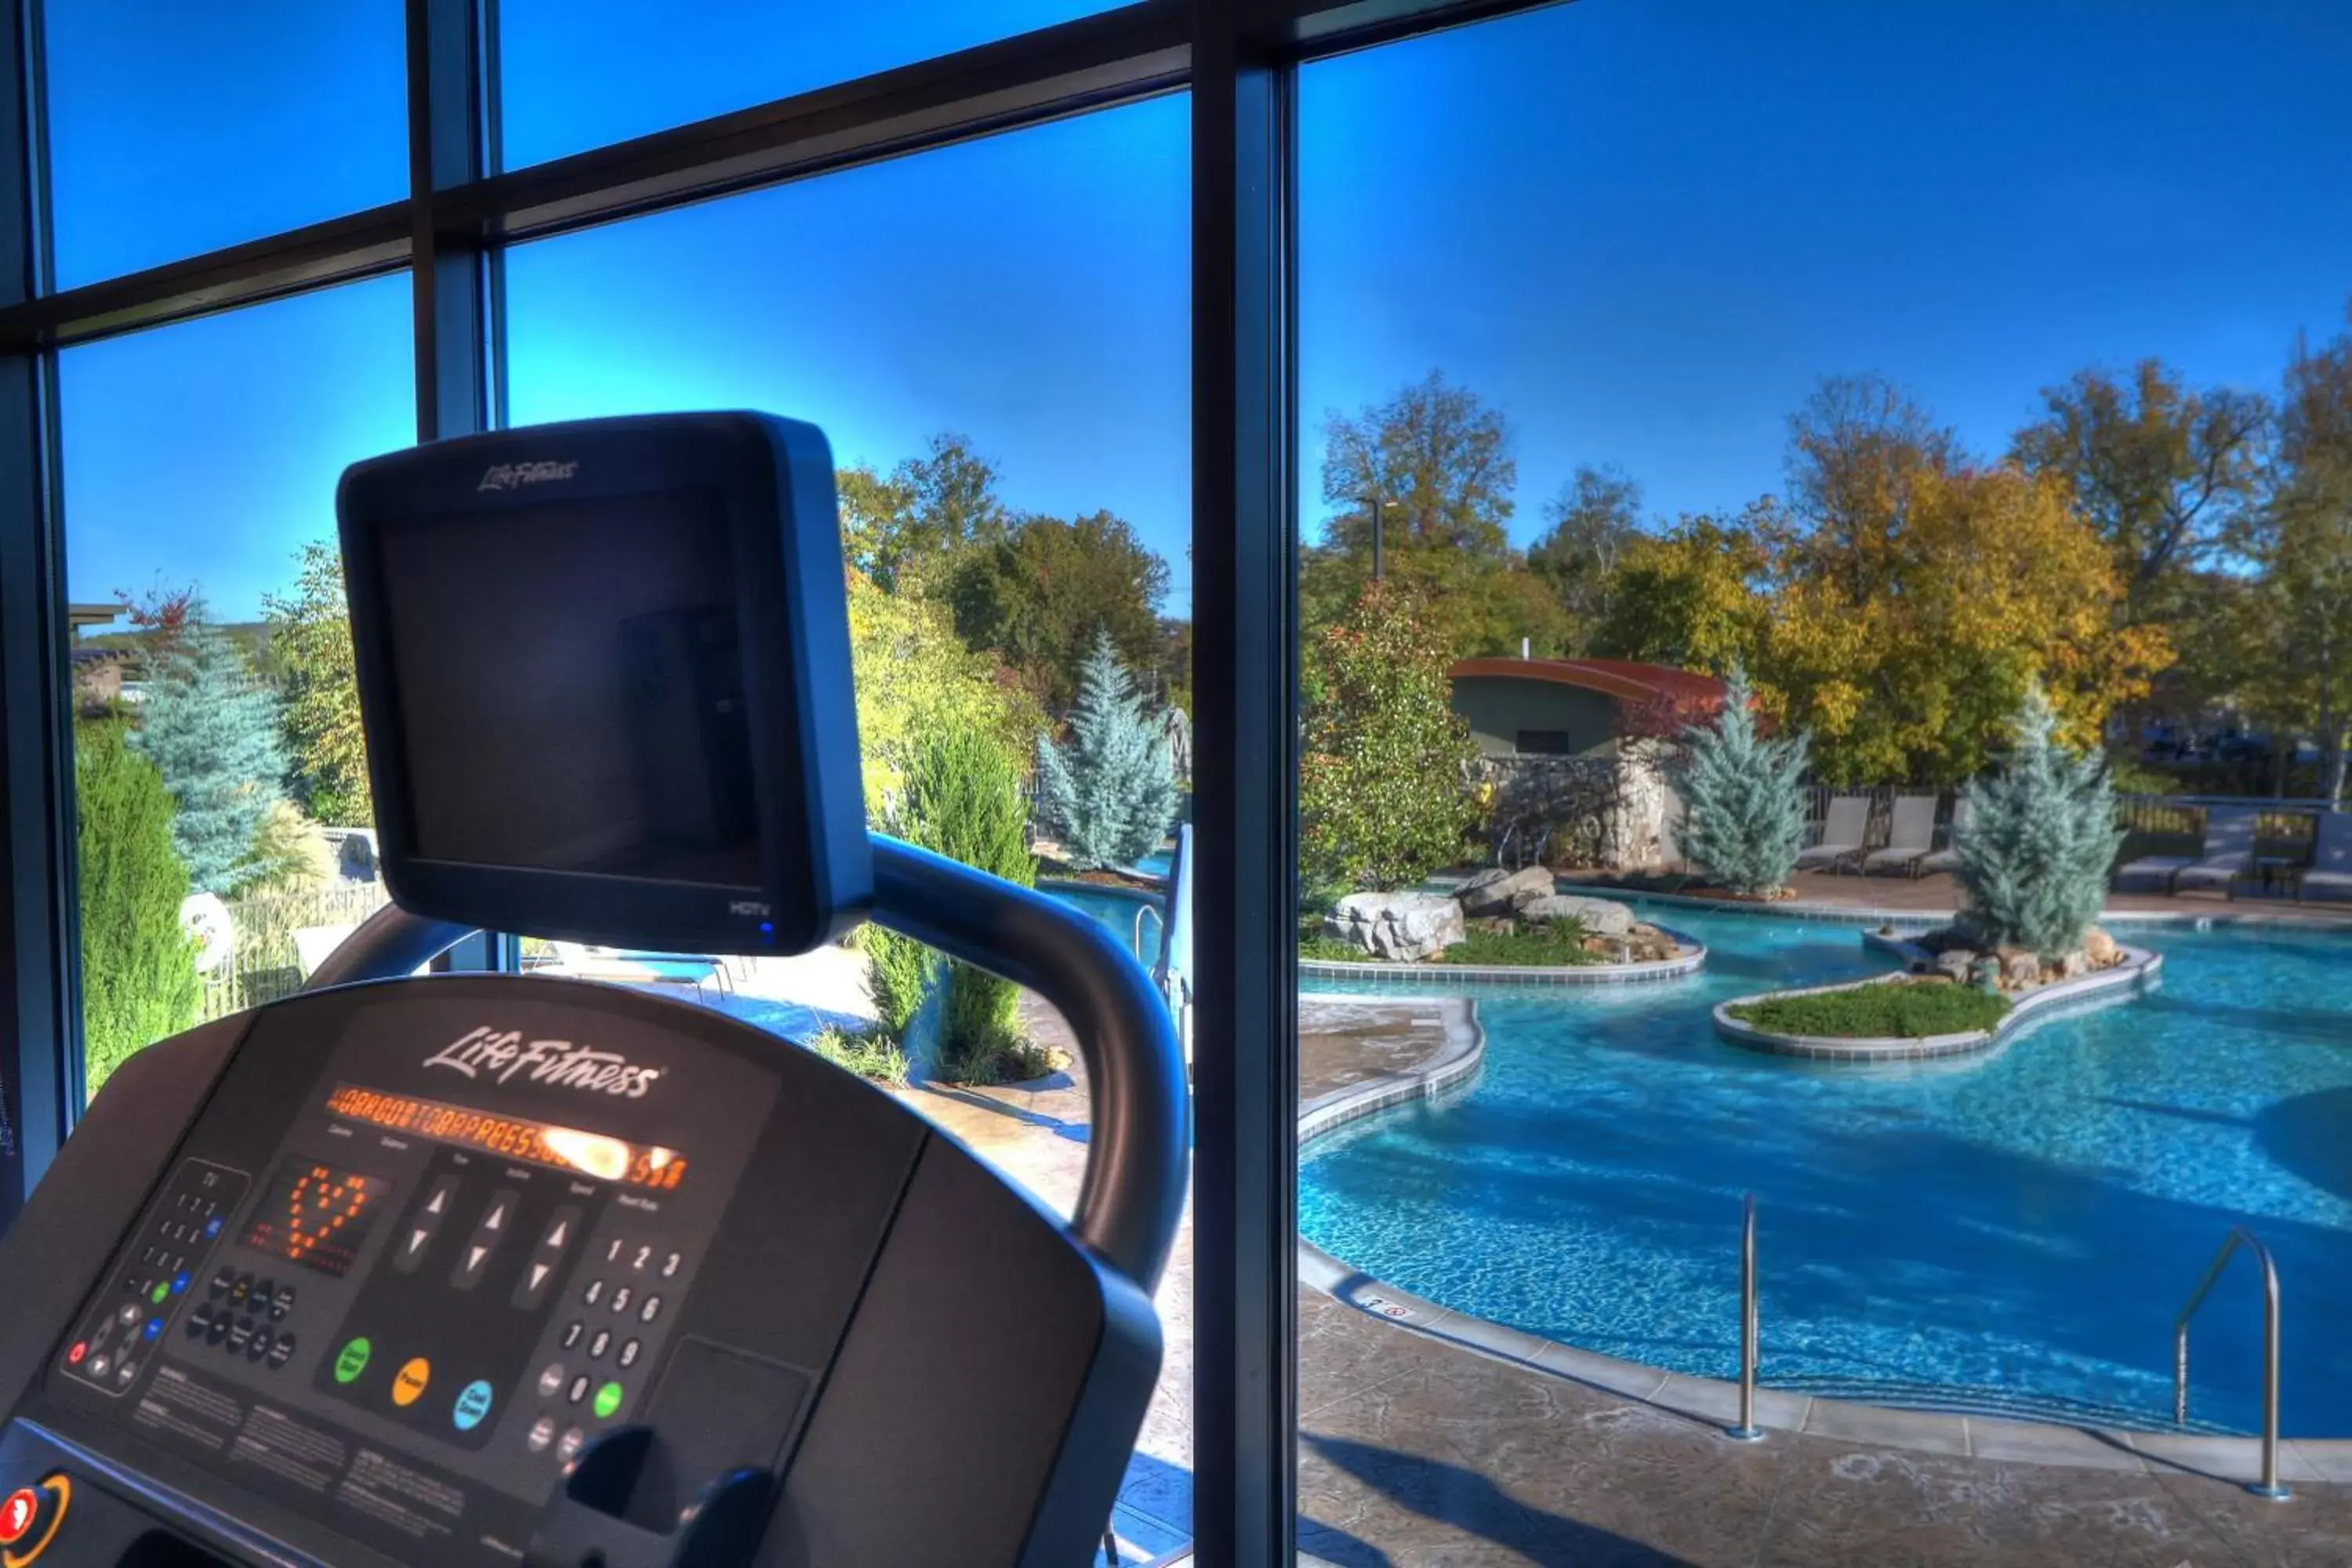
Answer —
(1849, 897)
(1416, 1449)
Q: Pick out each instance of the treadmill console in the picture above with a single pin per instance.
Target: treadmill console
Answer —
(428, 1241)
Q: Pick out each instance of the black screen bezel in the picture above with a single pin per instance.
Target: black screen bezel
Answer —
(770, 481)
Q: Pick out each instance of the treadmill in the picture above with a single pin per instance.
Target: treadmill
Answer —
(472, 1270)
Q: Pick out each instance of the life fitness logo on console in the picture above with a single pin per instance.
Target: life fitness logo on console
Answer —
(487, 1053)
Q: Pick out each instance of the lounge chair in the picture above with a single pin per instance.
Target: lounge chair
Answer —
(1842, 833)
(628, 968)
(2331, 857)
(1912, 835)
(2228, 855)
(1947, 858)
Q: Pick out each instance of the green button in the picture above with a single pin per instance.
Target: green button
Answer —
(157, 1294)
(608, 1399)
(353, 1360)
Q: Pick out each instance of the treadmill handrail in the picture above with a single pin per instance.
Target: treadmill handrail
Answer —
(1133, 1192)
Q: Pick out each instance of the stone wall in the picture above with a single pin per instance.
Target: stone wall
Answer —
(1606, 811)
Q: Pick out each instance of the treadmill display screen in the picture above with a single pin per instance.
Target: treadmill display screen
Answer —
(571, 689)
(596, 1155)
(316, 1216)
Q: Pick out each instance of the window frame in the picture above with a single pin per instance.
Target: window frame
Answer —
(1239, 61)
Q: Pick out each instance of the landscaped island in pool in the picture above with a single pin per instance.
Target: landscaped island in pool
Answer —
(2010, 1232)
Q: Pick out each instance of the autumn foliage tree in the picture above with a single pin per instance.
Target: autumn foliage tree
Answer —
(1382, 796)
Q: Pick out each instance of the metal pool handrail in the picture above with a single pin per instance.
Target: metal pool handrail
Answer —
(1141, 910)
(2269, 1485)
(1747, 1431)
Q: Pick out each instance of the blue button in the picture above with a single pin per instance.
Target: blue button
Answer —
(472, 1403)
(212, 1228)
(154, 1326)
(180, 1282)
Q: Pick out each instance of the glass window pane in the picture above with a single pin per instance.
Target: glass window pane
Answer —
(1009, 410)
(176, 130)
(577, 76)
(1991, 432)
(215, 734)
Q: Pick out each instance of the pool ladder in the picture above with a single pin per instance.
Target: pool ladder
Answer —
(2268, 1485)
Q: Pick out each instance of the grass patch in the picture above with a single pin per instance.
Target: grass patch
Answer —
(1897, 1010)
(1531, 947)
(1002, 1057)
(869, 1055)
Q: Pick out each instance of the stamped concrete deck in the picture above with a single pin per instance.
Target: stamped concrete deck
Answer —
(1416, 1450)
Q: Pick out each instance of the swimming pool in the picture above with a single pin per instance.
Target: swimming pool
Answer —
(2012, 1233)
(1116, 909)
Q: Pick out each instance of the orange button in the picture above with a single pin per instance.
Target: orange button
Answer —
(408, 1385)
(17, 1515)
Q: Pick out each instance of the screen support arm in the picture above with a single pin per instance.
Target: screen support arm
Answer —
(1133, 1194)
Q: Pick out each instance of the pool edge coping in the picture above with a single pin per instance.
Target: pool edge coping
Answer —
(1713, 1402)
(2133, 976)
(1685, 963)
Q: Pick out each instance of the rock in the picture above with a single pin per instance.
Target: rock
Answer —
(2100, 949)
(2074, 963)
(1494, 925)
(1493, 892)
(1601, 917)
(1648, 944)
(1957, 963)
(1402, 928)
(2019, 969)
(1986, 973)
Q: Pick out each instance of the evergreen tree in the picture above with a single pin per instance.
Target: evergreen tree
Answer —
(213, 730)
(1108, 792)
(139, 977)
(963, 800)
(1743, 796)
(310, 646)
(2040, 842)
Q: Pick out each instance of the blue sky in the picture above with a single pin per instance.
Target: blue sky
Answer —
(1642, 229)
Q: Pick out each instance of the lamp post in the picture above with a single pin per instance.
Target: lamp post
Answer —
(1375, 502)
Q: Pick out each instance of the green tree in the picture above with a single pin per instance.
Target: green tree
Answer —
(1857, 448)
(904, 530)
(1108, 793)
(139, 980)
(213, 731)
(913, 677)
(1596, 515)
(2164, 472)
(1046, 591)
(1696, 597)
(963, 800)
(310, 645)
(1439, 461)
(1383, 800)
(1743, 795)
(2040, 842)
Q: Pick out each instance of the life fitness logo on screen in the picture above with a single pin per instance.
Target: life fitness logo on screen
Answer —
(514, 476)
(487, 1053)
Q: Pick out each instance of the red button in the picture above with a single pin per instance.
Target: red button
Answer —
(81, 1348)
(17, 1515)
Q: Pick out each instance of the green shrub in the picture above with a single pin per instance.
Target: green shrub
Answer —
(1743, 797)
(1904, 1009)
(1530, 946)
(1382, 770)
(963, 800)
(138, 979)
(2040, 841)
(898, 971)
(869, 1054)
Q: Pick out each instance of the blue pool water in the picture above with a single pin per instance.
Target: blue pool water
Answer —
(2024, 1226)
(1116, 911)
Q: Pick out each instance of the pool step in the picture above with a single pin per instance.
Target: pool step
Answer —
(2006, 1404)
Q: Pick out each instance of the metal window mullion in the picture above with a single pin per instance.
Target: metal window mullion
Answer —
(40, 1038)
(1245, 681)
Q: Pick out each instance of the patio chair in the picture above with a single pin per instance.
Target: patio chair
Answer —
(2331, 857)
(1947, 858)
(579, 961)
(1842, 834)
(1912, 835)
(2228, 855)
